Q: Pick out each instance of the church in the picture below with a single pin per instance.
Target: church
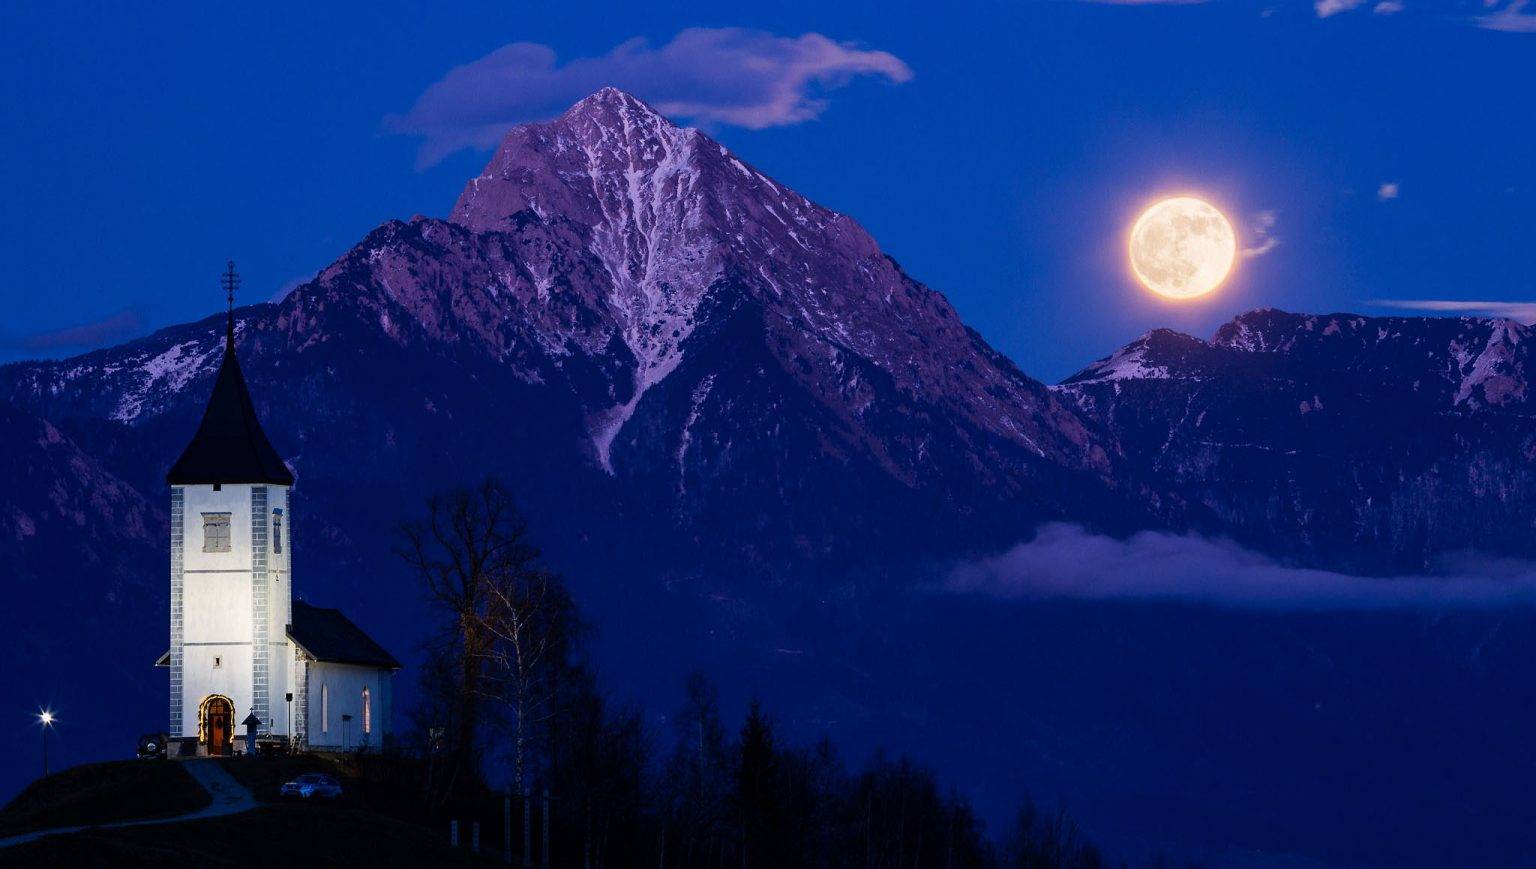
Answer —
(243, 652)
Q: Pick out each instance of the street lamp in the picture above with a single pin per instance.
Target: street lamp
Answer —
(45, 719)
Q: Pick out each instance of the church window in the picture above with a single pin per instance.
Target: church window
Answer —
(367, 712)
(325, 709)
(277, 530)
(217, 662)
(215, 532)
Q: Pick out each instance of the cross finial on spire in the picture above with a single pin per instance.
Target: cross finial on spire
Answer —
(231, 282)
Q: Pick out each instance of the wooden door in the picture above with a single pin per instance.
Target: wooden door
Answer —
(221, 726)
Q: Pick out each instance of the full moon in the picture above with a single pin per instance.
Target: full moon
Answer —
(1182, 248)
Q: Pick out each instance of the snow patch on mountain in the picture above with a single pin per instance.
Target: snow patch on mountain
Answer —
(685, 438)
(166, 372)
(1495, 370)
(1128, 363)
(645, 181)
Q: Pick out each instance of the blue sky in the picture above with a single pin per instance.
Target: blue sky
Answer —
(1387, 144)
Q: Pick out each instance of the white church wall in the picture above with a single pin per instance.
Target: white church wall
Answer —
(336, 690)
(280, 664)
(214, 670)
(232, 498)
(216, 608)
(216, 604)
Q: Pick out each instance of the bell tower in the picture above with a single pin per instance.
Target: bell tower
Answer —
(230, 655)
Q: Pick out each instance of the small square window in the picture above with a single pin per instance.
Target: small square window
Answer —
(217, 662)
(215, 532)
(218, 487)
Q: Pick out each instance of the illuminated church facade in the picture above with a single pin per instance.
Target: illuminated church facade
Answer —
(243, 653)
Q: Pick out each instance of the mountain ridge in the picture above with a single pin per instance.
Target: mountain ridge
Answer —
(1363, 443)
(650, 307)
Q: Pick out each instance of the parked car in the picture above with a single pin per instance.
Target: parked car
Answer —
(312, 786)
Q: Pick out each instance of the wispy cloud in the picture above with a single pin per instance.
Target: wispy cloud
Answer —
(114, 327)
(1514, 16)
(1509, 16)
(724, 76)
(1524, 312)
(1262, 229)
(1064, 561)
(1387, 190)
(287, 288)
(1329, 8)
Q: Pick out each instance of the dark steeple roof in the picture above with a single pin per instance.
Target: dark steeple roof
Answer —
(229, 446)
(329, 636)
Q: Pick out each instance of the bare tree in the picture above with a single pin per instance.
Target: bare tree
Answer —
(471, 542)
(530, 621)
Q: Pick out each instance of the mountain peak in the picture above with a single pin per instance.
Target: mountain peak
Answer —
(682, 232)
(611, 99)
(1160, 354)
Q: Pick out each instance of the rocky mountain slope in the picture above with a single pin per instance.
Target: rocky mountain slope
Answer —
(1367, 443)
(622, 308)
(61, 502)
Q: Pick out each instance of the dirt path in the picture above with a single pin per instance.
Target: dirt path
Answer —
(228, 796)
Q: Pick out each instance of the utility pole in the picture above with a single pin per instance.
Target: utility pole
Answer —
(434, 742)
(527, 829)
(45, 718)
(544, 839)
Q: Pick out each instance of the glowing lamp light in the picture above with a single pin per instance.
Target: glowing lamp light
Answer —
(45, 720)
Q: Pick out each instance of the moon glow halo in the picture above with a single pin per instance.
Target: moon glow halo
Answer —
(1182, 248)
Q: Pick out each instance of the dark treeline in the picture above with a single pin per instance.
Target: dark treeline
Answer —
(507, 689)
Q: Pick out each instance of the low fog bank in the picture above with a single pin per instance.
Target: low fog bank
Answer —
(1067, 562)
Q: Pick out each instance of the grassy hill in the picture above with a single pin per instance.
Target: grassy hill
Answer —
(101, 793)
(373, 822)
(276, 835)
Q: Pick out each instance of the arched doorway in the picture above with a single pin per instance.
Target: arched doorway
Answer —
(217, 720)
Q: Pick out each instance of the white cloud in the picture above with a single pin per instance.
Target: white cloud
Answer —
(1327, 8)
(1515, 16)
(1065, 561)
(1387, 190)
(1524, 312)
(727, 76)
(1262, 229)
(1509, 16)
